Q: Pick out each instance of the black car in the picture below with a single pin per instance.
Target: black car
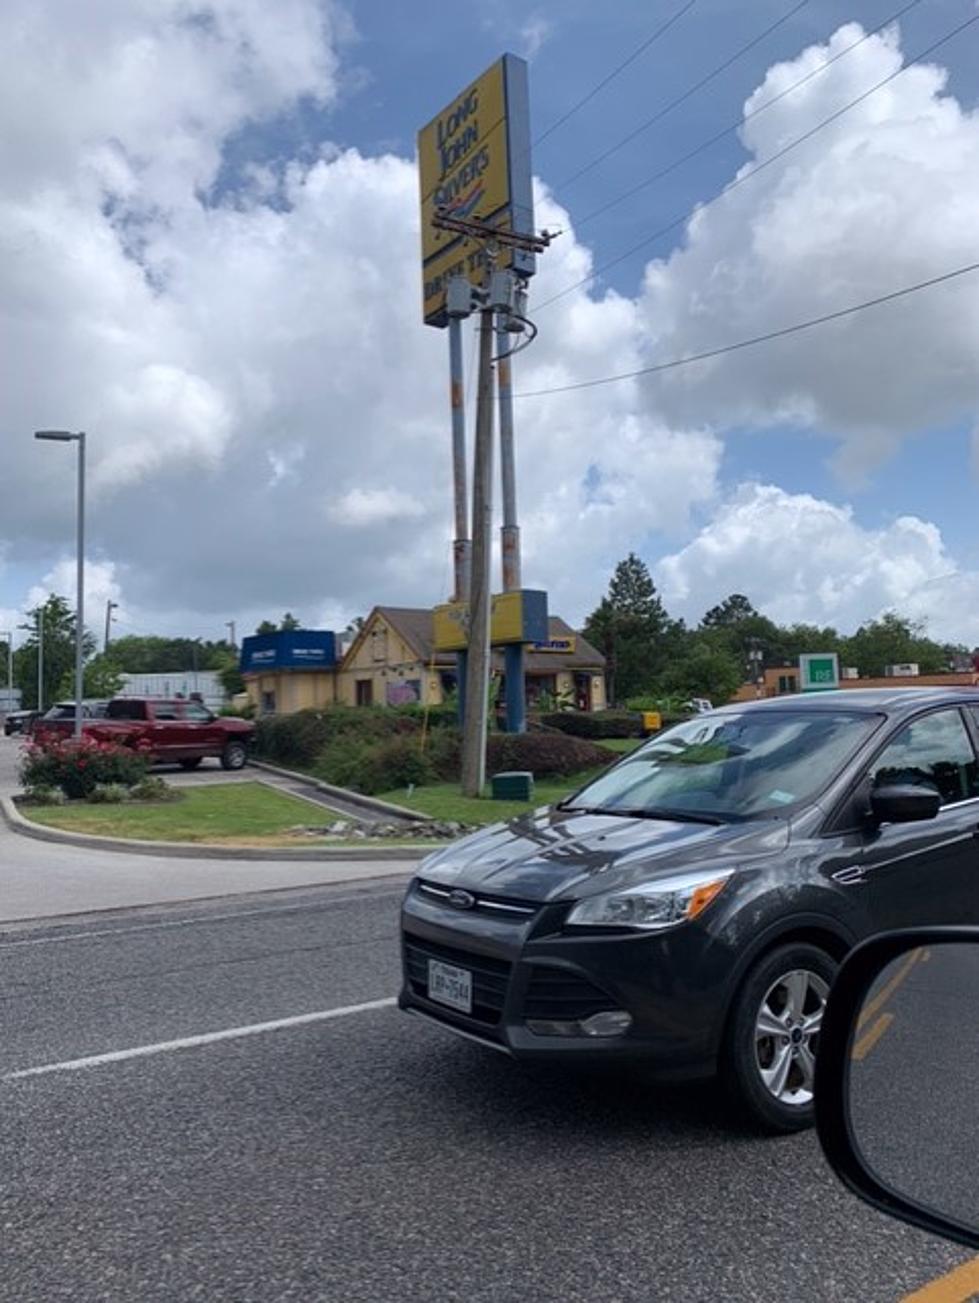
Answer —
(18, 721)
(690, 906)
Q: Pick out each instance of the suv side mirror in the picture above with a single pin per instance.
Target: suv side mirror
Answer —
(904, 803)
(895, 1077)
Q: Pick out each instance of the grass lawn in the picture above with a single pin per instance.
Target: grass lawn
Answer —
(226, 814)
(444, 801)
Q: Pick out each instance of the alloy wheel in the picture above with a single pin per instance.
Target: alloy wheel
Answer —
(787, 1035)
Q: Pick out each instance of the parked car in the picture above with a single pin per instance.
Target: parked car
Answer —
(91, 709)
(18, 721)
(690, 906)
(176, 731)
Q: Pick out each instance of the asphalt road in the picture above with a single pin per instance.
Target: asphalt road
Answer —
(368, 1156)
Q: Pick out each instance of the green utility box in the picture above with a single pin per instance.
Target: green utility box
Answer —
(515, 786)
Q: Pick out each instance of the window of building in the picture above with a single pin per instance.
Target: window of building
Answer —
(268, 703)
(787, 683)
(365, 692)
(379, 645)
(934, 751)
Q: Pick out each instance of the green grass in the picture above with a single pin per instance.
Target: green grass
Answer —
(226, 813)
(444, 800)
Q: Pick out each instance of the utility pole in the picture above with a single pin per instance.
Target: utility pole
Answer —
(513, 654)
(459, 306)
(40, 660)
(230, 626)
(478, 661)
(110, 606)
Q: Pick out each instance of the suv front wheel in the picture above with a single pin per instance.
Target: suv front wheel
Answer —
(773, 1035)
(234, 756)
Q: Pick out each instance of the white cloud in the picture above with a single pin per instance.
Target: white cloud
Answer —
(362, 507)
(533, 34)
(799, 558)
(884, 197)
(268, 419)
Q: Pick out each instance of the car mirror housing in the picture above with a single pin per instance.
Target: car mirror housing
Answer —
(904, 803)
(895, 1078)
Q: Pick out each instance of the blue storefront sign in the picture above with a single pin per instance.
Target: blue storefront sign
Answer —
(292, 649)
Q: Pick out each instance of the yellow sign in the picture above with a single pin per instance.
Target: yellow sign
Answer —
(474, 163)
(514, 617)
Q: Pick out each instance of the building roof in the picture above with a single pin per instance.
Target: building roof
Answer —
(416, 626)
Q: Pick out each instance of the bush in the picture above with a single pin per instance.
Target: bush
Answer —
(46, 796)
(371, 767)
(76, 767)
(238, 712)
(546, 755)
(153, 788)
(601, 723)
(303, 738)
(108, 794)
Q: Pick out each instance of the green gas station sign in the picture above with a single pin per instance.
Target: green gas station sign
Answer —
(819, 672)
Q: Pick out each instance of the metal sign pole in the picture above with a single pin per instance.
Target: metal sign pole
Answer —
(477, 669)
(514, 658)
(461, 546)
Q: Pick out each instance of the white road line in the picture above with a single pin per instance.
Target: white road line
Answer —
(190, 1042)
(317, 907)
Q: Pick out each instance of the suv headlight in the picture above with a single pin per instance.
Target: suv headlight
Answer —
(652, 905)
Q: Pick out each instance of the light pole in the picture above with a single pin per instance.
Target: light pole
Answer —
(8, 634)
(67, 436)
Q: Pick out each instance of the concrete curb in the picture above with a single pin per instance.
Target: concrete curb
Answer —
(17, 823)
(368, 803)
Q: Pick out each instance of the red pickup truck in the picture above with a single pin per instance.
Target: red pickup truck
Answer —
(179, 732)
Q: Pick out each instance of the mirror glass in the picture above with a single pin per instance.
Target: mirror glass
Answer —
(914, 1079)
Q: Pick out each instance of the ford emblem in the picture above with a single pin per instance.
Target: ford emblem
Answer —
(460, 899)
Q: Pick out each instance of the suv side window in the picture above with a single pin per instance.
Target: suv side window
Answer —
(163, 710)
(198, 713)
(934, 751)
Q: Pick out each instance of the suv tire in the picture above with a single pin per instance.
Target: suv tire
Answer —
(234, 756)
(772, 1036)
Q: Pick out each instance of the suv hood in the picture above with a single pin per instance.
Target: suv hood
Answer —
(551, 853)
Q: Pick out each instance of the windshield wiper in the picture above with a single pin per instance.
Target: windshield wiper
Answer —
(677, 816)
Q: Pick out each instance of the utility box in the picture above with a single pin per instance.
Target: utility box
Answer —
(518, 785)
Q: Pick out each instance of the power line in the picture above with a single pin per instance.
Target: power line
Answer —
(757, 339)
(661, 31)
(759, 167)
(735, 126)
(680, 99)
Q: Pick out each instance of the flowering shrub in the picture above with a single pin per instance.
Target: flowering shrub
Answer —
(77, 766)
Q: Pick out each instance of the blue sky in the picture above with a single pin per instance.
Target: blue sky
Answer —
(267, 412)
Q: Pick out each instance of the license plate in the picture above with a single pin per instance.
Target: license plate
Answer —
(450, 986)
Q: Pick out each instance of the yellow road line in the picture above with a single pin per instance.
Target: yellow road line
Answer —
(869, 1039)
(958, 1286)
(871, 1007)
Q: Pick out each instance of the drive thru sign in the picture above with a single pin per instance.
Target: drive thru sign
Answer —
(819, 671)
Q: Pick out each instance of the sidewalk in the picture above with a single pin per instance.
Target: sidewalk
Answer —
(46, 880)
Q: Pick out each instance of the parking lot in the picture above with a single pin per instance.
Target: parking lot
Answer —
(366, 1156)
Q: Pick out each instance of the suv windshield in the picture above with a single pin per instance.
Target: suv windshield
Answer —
(729, 766)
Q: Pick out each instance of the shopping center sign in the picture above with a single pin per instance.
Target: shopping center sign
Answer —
(474, 164)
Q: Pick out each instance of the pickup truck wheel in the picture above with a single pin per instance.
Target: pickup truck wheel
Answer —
(191, 764)
(234, 756)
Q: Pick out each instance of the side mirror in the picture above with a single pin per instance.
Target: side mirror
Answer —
(904, 803)
(896, 1078)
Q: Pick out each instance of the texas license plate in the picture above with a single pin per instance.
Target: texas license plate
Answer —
(450, 986)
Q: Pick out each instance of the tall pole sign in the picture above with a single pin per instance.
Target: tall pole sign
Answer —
(478, 249)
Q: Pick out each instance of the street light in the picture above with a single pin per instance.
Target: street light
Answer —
(67, 436)
(8, 635)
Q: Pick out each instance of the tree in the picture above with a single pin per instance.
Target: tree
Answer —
(154, 654)
(631, 628)
(102, 679)
(267, 626)
(56, 620)
(703, 670)
(892, 640)
(289, 622)
(732, 610)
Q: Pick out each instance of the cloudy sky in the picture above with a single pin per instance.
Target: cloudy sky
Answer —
(208, 216)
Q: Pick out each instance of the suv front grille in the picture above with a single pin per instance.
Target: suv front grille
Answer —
(502, 907)
(558, 995)
(489, 976)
